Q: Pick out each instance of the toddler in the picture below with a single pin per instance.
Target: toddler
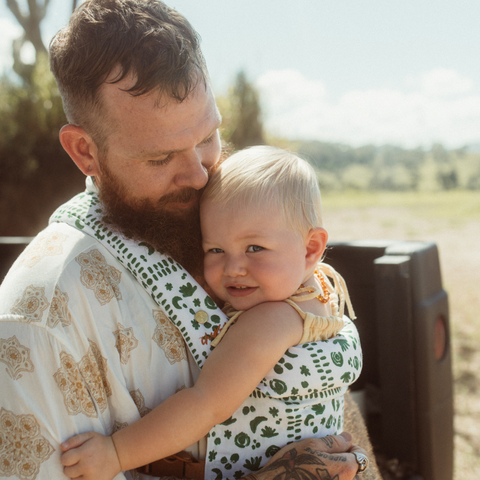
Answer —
(282, 363)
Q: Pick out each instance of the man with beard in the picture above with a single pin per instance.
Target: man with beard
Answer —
(104, 316)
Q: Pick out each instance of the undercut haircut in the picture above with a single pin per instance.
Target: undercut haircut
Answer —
(269, 176)
(143, 38)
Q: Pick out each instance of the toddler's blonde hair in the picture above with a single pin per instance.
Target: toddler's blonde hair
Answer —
(272, 177)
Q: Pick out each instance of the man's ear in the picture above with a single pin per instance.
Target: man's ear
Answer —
(315, 243)
(81, 148)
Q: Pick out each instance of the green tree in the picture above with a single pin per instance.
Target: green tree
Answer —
(36, 175)
(241, 112)
(30, 20)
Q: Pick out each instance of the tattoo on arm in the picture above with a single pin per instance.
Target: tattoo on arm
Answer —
(292, 465)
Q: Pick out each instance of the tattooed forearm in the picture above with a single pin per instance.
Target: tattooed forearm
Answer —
(333, 458)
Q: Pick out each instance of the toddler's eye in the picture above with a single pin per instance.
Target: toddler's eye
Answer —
(215, 250)
(254, 248)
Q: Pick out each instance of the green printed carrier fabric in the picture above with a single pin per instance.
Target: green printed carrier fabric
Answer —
(301, 397)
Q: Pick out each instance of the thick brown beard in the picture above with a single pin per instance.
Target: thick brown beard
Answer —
(175, 233)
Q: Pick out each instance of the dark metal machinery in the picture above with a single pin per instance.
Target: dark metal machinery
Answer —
(403, 320)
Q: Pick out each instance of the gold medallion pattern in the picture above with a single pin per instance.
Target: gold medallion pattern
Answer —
(139, 400)
(168, 338)
(97, 275)
(85, 383)
(16, 357)
(32, 304)
(118, 426)
(45, 245)
(125, 342)
(59, 310)
(22, 448)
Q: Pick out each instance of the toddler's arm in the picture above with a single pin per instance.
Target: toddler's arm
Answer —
(249, 350)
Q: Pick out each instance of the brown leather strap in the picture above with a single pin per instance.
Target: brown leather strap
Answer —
(180, 465)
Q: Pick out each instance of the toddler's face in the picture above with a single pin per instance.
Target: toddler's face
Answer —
(251, 256)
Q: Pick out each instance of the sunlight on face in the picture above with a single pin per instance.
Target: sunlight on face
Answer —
(251, 256)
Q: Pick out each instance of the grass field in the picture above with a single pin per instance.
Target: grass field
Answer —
(452, 221)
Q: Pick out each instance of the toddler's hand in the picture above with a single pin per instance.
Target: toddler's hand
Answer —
(91, 456)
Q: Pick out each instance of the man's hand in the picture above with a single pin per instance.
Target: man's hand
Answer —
(327, 458)
(90, 456)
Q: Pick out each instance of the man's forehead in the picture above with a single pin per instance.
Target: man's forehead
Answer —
(153, 119)
(116, 92)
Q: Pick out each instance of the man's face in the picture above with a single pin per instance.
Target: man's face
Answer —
(159, 150)
(156, 163)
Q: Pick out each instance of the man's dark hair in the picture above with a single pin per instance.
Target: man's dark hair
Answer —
(145, 38)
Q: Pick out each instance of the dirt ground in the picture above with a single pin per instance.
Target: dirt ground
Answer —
(458, 240)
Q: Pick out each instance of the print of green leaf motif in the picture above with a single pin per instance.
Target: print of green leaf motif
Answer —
(242, 440)
(255, 422)
(175, 301)
(196, 302)
(273, 411)
(215, 319)
(278, 369)
(337, 358)
(278, 386)
(218, 472)
(356, 363)
(304, 370)
(269, 432)
(343, 343)
(168, 286)
(209, 303)
(229, 421)
(318, 409)
(253, 464)
(195, 324)
(151, 250)
(272, 450)
(187, 290)
(346, 377)
(307, 420)
(212, 455)
(238, 474)
(227, 434)
(329, 421)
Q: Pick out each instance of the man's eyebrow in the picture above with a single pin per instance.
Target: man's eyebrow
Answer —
(160, 153)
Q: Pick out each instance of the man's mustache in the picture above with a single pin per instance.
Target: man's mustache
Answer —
(183, 196)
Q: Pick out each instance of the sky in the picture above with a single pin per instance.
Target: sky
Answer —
(351, 71)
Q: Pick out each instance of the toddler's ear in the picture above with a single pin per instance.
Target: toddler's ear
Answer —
(315, 243)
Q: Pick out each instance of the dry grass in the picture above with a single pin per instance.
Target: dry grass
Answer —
(452, 221)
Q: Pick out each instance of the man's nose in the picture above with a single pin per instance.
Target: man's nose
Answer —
(193, 173)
